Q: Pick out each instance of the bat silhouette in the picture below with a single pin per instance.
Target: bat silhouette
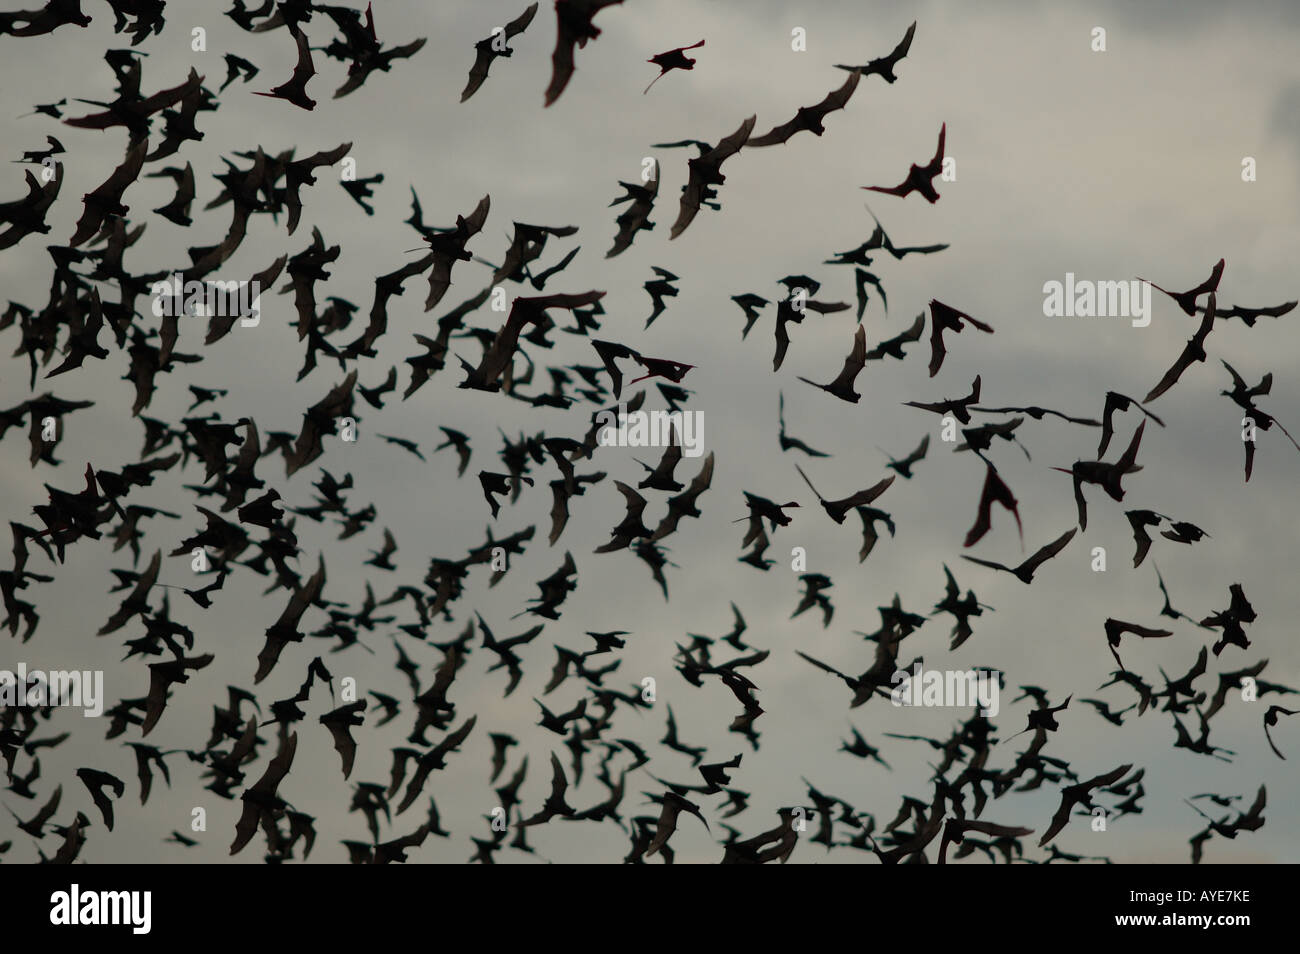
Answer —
(995, 491)
(294, 90)
(884, 66)
(1080, 794)
(1117, 628)
(27, 215)
(340, 722)
(1187, 300)
(957, 407)
(95, 782)
(842, 386)
(789, 443)
(705, 173)
(261, 800)
(1192, 352)
(672, 60)
(837, 510)
(919, 178)
(685, 504)
(893, 347)
(447, 248)
(1107, 476)
(573, 29)
(1025, 571)
(809, 117)
(946, 318)
(162, 676)
(1250, 315)
(636, 217)
(1270, 720)
(487, 50)
(106, 199)
(904, 467)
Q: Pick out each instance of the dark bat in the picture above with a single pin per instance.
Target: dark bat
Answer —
(861, 279)
(1270, 719)
(95, 782)
(435, 758)
(340, 722)
(294, 90)
(631, 527)
(300, 172)
(1117, 402)
(1108, 476)
(659, 289)
(27, 215)
(1187, 300)
(285, 629)
(1025, 571)
(1139, 520)
(237, 66)
(995, 491)
(919, 178)
(893, 347)
(684, 504)
(499, 355)
(675, 59)
(555, 803)
(904, 467)
(842, 386)
(447, 248)
(35, 826)
(957, 407)
(793, 443)
(573, 28)
(487, 50)
(705, 173)
(1115, 629)
(946, 318)
(261, 800)
(318, 420)
(869, 517)
(750, 305)
(1080, 794)
(809, 117)
(54, 14)
(106, 199)
(1250, 315)
(460, 443)
(1192, 352)
(955, 829)
(884, 66)
(162, 676)
(637, 216)
(837, 510)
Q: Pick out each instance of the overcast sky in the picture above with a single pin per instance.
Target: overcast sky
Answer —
(1110, 165)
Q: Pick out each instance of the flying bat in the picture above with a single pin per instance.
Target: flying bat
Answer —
(946, 318)
(809, 117)
(1187, 300)
(573, 28)
(842, 386)
(919, 178)
(705, 172)
(487, 50)
(1192, 352)
(1025, 571)
(675, 59)
(294, 90)
(884, 66)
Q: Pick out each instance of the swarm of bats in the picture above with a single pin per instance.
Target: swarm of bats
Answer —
(248, 524)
